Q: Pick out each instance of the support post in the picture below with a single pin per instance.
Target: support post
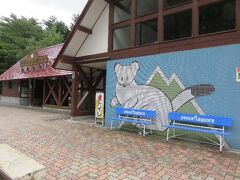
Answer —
(44, 92)
(74, 99)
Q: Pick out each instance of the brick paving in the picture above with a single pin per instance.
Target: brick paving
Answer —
(73, 150)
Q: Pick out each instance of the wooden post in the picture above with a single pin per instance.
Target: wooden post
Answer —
(44, 92)
(160, 23)
(195, 18)
(74, 99)
(59, 91)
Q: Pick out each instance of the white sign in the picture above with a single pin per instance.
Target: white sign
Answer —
(99, 107)
(238, 74)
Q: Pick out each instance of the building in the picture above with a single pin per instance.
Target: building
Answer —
(33, 82)
(163, 55)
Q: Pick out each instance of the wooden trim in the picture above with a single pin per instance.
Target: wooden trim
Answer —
(121, 24)
(177, 5)
(207, 2)
(110, 31)
(160, 22)
(195, 18)
(67, 59)
(133, 23)
(146, 18)
(84, 29)
(238, 15)
(177, 9)
(219, 39)
(92, 58)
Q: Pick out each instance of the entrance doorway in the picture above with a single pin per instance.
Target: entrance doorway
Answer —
(37, 92)
(88, 79)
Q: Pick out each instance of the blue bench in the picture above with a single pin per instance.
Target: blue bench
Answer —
(200, 124)
(136, 116)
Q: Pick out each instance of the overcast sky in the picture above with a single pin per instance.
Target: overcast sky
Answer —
(43, 9)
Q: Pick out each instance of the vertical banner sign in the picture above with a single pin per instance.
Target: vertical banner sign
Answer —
(238, 74)
(99, 109)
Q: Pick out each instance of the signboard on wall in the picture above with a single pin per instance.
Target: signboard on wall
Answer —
(238, 74)
(99, 107)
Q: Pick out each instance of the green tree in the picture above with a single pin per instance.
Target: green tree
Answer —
(74, 21)
(20, 36)
(59, 26)
(14, 36)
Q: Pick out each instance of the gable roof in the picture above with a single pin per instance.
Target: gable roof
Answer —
(15, 72)
(88, 19)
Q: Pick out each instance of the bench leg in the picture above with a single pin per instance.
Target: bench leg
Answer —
(167, 133)
(111, 125)
(221, 143)
(144, 130)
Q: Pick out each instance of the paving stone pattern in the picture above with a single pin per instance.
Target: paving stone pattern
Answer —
(73, 150)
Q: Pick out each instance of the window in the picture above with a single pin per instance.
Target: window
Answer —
(10, 84)
(178, 25)
(146, 32)
(24, 89)
(122, 10)
(217, 17)
(121, 38)
(146, 6)
(169, 3)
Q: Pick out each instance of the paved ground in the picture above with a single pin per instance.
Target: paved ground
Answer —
(73, 150)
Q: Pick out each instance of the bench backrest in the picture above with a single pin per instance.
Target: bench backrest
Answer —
(200, 119)
(145, 114)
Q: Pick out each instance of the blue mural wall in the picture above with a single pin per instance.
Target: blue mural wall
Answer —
(213, 68)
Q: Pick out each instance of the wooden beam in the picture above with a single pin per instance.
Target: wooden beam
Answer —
(83, 74)
(84, 29)
(82, 99)
(92, 58)
(67, 59)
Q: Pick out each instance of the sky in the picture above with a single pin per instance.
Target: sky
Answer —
(43, 9)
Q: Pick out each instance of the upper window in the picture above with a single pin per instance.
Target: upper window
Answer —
(146, 32)
(217, 17)
(146, 7)
(178, 25)
(122, 10)
(169, 3)
(121, 38)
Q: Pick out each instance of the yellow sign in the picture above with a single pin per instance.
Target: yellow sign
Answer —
(238, 74)
(99, 109)
(33, 61)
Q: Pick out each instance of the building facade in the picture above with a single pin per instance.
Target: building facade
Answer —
(33, 82)
(162, 55)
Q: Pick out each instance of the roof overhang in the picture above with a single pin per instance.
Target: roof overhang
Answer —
(91, 28)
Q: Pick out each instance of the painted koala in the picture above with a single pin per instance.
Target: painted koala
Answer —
(131, 95)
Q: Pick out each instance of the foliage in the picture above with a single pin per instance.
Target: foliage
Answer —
(59, 26)
(20, 36)
(74, 21)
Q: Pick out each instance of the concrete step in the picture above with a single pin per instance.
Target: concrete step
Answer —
(17, 166)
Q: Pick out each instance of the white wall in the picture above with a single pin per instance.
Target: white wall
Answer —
(97, 42)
